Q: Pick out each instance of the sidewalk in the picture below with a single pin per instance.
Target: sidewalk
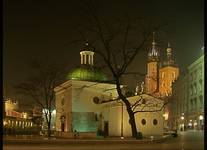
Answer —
(40, 139)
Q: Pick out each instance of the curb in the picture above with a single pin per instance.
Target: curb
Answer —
(82, 141)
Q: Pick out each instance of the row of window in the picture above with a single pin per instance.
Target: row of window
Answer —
(195, 74)
(13, 123)
(172, 75)
(194, 88)
(155, 122)
(194, 103)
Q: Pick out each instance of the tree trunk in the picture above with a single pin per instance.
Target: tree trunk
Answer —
(129, 110)
(49, 130)
(132, 122)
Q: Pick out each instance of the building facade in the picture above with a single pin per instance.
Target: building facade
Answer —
(14, 120)
(188, 93)
(160, 74)
(88, 105)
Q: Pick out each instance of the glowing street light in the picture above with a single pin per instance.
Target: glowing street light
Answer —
(200, 117)
(182, 117)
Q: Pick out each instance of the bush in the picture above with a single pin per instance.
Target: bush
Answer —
(100, 133)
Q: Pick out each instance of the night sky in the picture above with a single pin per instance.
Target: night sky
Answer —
(44, 29)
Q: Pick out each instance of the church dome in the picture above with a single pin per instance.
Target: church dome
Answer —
(87, 73)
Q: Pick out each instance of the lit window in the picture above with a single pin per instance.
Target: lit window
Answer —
(163, 74)
(173, 75)
(162, 85)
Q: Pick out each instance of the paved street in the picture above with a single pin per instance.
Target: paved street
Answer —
(190, 140)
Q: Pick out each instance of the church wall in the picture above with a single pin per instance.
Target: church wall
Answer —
(82, 99)
(86, 113)
(115, 120)
(63, 108)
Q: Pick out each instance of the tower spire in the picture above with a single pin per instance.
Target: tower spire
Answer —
(168, 44)
(153, 41)
(169, 50)
(153, 53)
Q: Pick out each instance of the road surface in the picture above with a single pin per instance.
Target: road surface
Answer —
(188, 140)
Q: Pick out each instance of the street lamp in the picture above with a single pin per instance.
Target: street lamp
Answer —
(182, 125)
(122, 137)
(200, 117)
(201, 121)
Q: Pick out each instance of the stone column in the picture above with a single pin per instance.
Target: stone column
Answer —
(85, 58)
(89, 59)
(81, 59)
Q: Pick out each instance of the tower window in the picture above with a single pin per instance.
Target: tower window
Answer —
(63, 101)
(173, 75)
(163, 74)
(163, 84)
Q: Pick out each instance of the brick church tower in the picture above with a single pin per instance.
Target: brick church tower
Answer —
(160, 75)
(151, 80)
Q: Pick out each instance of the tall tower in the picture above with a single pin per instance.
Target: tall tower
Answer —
(87, 55)
(168, 73)
(151, 80)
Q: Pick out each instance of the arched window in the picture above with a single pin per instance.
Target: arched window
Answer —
(143, 121)
(173, 74)
(163, 74)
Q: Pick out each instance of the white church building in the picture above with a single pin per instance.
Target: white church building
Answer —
(87, 106)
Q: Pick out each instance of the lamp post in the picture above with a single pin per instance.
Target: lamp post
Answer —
(182, 125)
(201, 121)
(122, 137)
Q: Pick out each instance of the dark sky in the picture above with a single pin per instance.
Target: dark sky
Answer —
(43, 28)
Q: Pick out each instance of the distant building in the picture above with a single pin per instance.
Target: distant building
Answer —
(160, 74)
(188, 94)
(14, 118)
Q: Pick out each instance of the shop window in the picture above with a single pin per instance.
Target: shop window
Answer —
(155, 121)
(143, 121)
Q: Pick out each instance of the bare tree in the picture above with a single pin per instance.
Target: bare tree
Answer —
(40, 87)
(118, 44)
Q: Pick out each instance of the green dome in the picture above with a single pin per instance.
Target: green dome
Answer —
(87, 73)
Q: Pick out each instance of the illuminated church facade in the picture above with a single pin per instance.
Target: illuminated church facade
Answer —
(160, 77)
(160, 74)
(87, 105)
